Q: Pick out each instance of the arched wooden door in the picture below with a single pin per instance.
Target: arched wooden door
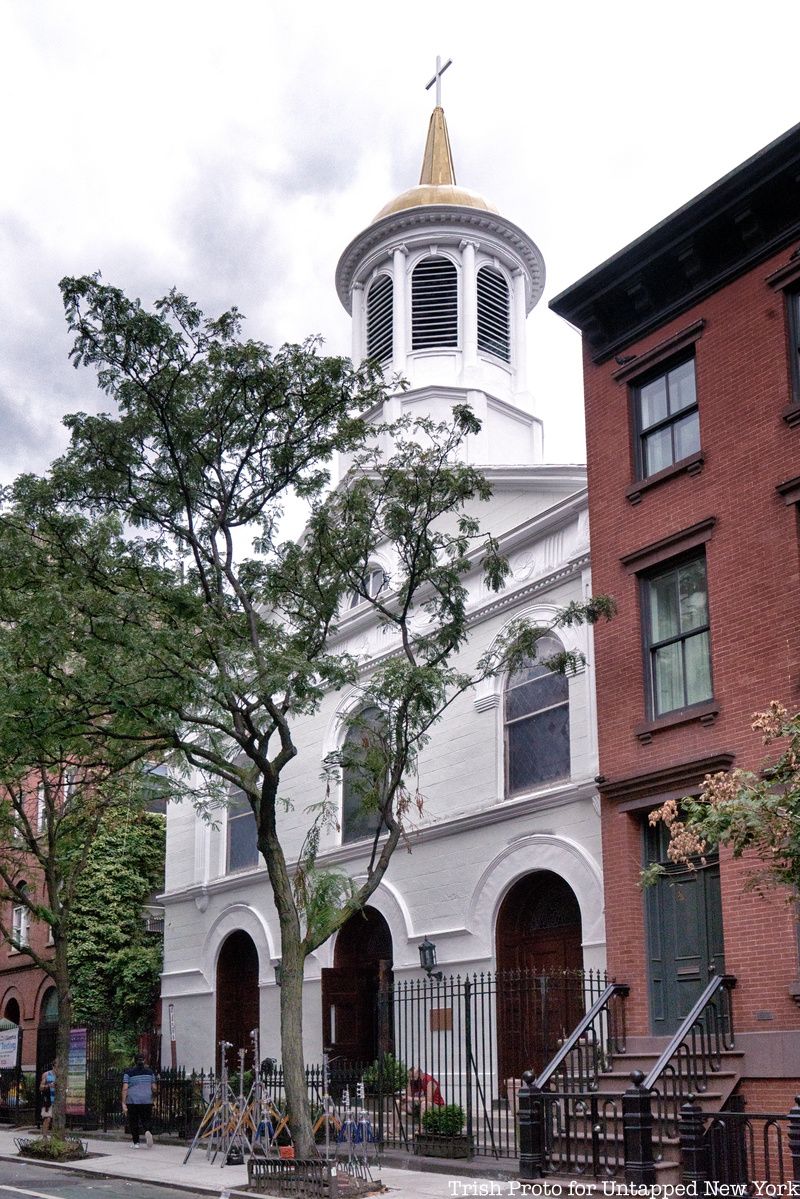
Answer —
(237, 994)
(356, 1020)
(539, 1000)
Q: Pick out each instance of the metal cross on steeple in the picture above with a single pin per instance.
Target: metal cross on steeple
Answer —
(437, 79)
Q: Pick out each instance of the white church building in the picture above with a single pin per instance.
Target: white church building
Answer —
(504, 867)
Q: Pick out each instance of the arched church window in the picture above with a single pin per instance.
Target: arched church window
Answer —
(242, 843)
(537, 722)
(48, 1013)
(372, 584)
(380, 306)
(434, 304)
(493, 314)
(362, 762)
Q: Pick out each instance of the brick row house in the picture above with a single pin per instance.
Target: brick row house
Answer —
(691, 336)
(27, 995)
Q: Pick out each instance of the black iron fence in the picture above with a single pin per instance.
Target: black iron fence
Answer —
(740, 1148)
(469, 1038)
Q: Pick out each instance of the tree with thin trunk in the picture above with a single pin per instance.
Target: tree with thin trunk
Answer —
(212, 436)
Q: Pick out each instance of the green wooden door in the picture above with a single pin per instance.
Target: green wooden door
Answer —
(683, 913)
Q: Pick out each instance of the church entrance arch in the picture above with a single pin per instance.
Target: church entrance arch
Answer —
(356, 1025)
(237, 994)
(538, 942)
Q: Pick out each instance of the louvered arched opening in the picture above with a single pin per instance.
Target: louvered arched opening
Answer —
(434, 304)
(493, 314)
(380, 304)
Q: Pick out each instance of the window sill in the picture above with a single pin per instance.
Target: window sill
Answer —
(692, 465)
(791, 414)
(704, 713)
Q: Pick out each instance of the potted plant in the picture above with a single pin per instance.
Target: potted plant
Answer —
(386, 1076)
(442, 1134)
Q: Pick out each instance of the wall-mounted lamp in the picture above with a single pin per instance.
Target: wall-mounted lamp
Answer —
(427, 959)
(279, 972)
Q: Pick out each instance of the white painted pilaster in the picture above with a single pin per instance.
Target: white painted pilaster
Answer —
(469, 305)
(399, 316)
(519, 349)
(359, 317)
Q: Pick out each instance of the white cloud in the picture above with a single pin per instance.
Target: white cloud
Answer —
(235, 150)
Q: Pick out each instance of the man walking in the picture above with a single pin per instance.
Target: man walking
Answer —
(138, 1092)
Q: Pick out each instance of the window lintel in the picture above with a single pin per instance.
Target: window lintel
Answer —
(668, 547)
(630, 372)
(787, 275)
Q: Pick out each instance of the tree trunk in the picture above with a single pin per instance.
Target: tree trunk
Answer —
(292, 965)
(294, 1067)
(61, 979)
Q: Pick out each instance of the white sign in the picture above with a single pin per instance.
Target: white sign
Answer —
(9, 1040)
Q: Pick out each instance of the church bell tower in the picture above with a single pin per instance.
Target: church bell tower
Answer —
(439, 287)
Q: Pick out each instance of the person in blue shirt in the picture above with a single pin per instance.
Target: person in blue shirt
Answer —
(47, 1088)
(138, 1092)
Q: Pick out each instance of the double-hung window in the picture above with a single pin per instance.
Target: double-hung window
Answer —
(19, 923)
(675, 600)
(666, 417)
(793, 301)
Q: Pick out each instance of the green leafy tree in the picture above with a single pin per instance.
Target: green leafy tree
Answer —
(748, 812)
(115, 964)
(211, 436)
(70, 736)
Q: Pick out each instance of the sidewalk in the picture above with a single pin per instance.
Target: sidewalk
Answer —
(162, 1164)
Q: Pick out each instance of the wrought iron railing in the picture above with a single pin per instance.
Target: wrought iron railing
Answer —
(590, 1048)
(566, 1125)
(738, 1148)
(693, 1056)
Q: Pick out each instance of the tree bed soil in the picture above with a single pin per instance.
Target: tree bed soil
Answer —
(53, 1150)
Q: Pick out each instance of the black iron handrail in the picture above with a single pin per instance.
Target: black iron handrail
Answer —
(594, 1031)
(715, 1032)
(693, 1054)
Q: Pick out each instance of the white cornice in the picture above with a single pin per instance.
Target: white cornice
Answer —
(495, 812)
(440, 222)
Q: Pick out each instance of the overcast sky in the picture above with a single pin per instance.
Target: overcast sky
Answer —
(234, 149)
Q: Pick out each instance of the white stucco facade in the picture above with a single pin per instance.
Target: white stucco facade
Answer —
(471, 843)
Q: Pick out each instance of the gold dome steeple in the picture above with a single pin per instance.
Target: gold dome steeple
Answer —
(437, 180)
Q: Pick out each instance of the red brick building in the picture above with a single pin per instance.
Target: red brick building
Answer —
(692, 384)
(27, 995)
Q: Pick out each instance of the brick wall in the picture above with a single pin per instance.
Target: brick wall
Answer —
(753, 563)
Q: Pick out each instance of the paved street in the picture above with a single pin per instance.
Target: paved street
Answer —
(23, 1180)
